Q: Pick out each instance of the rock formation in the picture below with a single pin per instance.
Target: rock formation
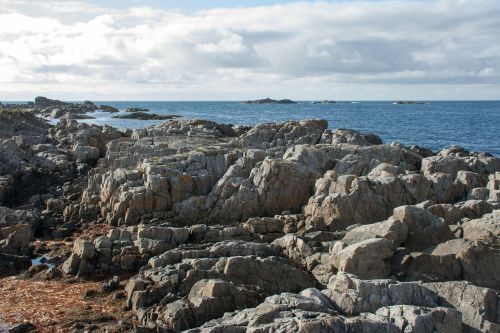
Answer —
(139, 115)
(270, 101)
(277, 227)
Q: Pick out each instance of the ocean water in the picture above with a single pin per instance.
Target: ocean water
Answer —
(473, 125)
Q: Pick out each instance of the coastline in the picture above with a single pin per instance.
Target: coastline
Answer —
(471, 125)
(178, 223)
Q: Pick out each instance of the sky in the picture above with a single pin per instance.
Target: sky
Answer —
(228, 50)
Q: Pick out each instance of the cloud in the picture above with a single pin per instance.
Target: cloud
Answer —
(308, 48)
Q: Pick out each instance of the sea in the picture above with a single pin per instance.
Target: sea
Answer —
(474, 125)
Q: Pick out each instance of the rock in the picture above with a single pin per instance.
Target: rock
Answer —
(431, 267)
(450, 163)
(86, 153)
(410, 318)
(478, 305)
(15, 239)
(353, 296)
(323, 102)
(33, 270)
(279, 313)
(270, 101)
(357, 157)
(69, 116)
(22, 328)
(53, 273)
(136, 110)
(44, 102)
(285, 134)
(111, 285)
(474, 209)
(273, 187)
(294, 248)
(232, 228)
(471, 180)
(391, 229)
(300, 313)
(479, 193)
(145, 116)
(424, 229)
(485, 229)
(58, 109)
(272, 276)
(451, 214)
(367, 259)
(257, 267)
(70, 266)
(83, 248)
(344, 200)
(408, 102)
(208, 299)
(102, 242)
(107, 108)
(479, 262)
(264, 225)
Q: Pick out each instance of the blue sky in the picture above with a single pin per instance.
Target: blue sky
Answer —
(222, 50)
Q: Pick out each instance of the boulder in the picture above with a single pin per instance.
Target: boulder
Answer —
(418, 266)
(353, 296)
(479, 306)
(83, 248)
(409, 318)
(485, 229)
(344, 200)
(367, 259)
(86, 153)
(479, 262)
(392, 229)
(424, 229)
(294, 248)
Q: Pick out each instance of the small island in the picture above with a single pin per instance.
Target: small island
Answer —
(270, 101)
(107, 108)
(136, 110)
(408, 102)
(326, 101)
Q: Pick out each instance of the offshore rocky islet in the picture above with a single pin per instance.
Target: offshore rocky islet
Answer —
(276, 227)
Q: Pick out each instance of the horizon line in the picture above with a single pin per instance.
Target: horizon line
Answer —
(244, 100)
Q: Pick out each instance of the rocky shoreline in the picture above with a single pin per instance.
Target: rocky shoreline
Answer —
(279, 227)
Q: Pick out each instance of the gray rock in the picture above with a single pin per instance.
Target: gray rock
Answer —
(367, 259)
(424, 229)
(477, 305)
(83, 248)
(485, 229)
(391, 229)
(423, 320)
(353, 296)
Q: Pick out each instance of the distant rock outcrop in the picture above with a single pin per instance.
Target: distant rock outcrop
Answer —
(107, 108)
(136, 110)
(408, 102)
(56, 109)
(146, 116)
(326, 101)
(270, 101)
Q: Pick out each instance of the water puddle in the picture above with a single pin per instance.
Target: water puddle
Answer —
(45, 259)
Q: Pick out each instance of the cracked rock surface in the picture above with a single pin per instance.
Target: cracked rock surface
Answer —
(279, 227)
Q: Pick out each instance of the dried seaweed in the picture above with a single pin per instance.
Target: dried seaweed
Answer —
(46, 304)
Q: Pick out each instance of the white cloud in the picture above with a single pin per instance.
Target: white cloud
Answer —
(385, 49)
